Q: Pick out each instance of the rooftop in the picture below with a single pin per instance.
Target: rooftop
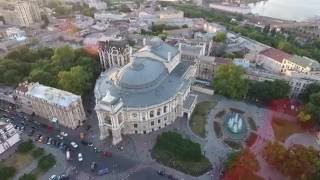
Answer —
(305, 62)
(166, 89)
(276, 54)
(51, 95)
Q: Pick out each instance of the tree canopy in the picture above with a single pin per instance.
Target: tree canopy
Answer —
(28, 177)
(46, 162)
(267, 91)
(296, 162)
(241, 165)
(7, 172)
(311, 110)
(220, 37)
(229, 81)
(51, 67)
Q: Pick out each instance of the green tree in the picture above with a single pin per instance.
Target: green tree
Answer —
(312, 88)
(77, 80)
(267, 91)
(37, 152)
(28, 177)
(25, 147)
(7, 172)
(220, 37)
(229, 81)
(41, 76)
(286, 46)
(63, 57)
(46, 162)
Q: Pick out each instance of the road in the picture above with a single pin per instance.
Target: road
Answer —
(116, 163)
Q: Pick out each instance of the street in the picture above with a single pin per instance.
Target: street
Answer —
(116, 163)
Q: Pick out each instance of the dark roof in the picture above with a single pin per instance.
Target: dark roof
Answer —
(220, 61)
(276, 54)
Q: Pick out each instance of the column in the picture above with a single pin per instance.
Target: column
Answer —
(103, 130)
(116, 136)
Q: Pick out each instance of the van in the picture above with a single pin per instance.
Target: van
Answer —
(103, 171)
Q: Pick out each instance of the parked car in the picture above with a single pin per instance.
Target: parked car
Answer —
(60, 137)
(106, 154)
(53, 177)
(97, 150)
(49, 140)
(63, 134)
(74, 145)
(80, 157)
(40, 139)
(63, 177)
(68, 155)
(103, 171)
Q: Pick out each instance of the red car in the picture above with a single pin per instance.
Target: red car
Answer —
(106, 154)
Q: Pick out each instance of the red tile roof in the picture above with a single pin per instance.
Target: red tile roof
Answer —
(276, 54)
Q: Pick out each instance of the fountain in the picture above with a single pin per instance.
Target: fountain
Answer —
(234, 126)
(235, 123)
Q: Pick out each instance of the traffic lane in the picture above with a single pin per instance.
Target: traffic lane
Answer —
(147, 174)
(114, 163)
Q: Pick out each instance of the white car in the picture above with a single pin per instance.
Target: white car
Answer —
(60, 137)
(64, 134)
(53, 177)
(80, 157)
(74, 145)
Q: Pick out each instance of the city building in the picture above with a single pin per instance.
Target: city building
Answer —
(9, 136)
(192, 52)
(170, 13)
(207, 65)
(51, 103)
(146, 94)
(22, 13)
(97, 4)
(13, 33)
(114, 52)
(213, 28)
(272, 59)
(300, 64)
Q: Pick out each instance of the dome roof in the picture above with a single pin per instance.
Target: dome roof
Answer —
(141, 73)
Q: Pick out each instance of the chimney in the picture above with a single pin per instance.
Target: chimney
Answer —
(169, 56)
(144, 41)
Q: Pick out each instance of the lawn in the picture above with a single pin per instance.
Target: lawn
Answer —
(199, 118)
(172, 150)
(283, 129)
(19, 161)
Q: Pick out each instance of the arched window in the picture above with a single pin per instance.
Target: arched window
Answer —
(151, 114)
(158, 112)
(165, 109)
